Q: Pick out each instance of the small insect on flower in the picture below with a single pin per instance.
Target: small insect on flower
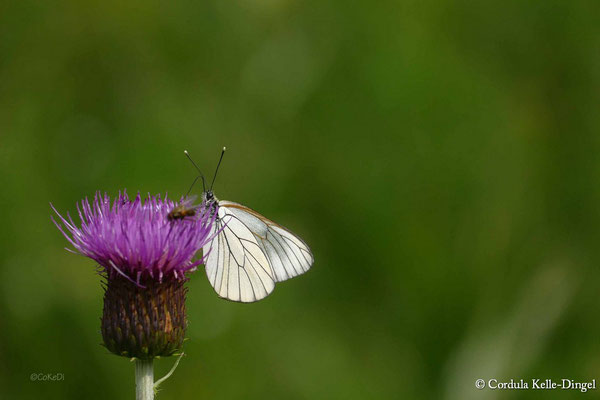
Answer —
(184, 209)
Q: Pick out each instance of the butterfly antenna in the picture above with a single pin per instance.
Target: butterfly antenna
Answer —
(201, 174)
(193, 183)
(218, 165)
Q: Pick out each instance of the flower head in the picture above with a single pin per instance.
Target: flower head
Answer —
(135, 238)
(145, 254)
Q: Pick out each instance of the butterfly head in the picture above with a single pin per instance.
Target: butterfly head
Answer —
(209, 200)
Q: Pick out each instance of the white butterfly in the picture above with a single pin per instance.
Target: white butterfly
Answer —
(249, 253)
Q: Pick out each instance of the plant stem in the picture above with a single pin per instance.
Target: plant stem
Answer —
(144, 380)
(164, 378)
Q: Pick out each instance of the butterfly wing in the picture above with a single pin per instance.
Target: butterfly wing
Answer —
(236, 266)
(287, 254)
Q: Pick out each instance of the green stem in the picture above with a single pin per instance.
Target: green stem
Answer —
(144, 380)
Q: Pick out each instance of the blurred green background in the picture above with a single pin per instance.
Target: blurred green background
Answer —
(441, 159)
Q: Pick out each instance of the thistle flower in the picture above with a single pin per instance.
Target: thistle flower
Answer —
(144, 257)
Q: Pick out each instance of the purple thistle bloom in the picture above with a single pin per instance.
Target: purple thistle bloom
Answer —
(135, 239)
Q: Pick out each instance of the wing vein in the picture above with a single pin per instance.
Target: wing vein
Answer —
(286, 253)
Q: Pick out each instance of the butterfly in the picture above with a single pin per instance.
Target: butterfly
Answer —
(249, 253)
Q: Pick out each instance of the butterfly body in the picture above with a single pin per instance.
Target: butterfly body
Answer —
(210, 201)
